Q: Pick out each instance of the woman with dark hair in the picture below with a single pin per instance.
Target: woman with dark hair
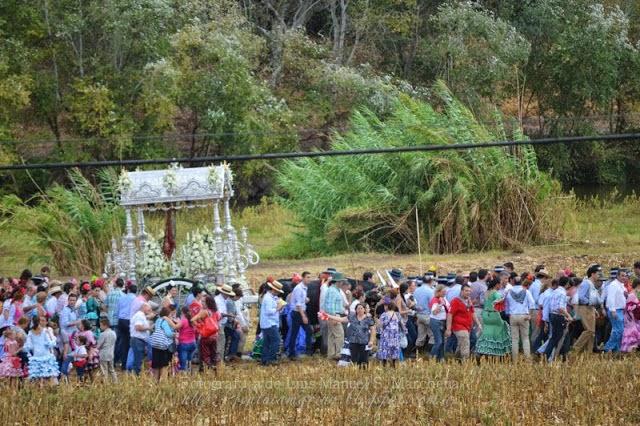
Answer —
(495, 339)
(161, 342)
(89, 307)
(360, 333)
(25, 276)
(170, 298)
(186, 340)
(208, 345)
(391, 330)
(358, 298)
(12, 308)
(439, 306)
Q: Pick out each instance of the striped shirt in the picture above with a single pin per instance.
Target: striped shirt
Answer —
(558, 300)
(112, 305)
(333, 302)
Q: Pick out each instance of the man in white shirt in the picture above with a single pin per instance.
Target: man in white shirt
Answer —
(616, 302)
(223, 292)
(51, 305)
(585, 309)
(243, 321)
(325, 278)
(542, 279)
(519, 303)
(422, 296)
(29, 302)
(139, 330)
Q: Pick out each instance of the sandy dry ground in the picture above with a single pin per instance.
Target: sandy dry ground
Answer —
(553, 257)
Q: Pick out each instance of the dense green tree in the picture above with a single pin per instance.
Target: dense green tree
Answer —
(478, 54)
(208, 80)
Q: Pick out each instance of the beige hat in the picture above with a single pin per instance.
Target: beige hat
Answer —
(150, 291)
(226, 289)
(543, 272)
(54, 290)
(276, 286)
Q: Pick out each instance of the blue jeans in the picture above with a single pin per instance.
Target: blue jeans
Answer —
(451, 344)
(270, 344)
(80, 373)
(541, 338)
(296, 324)
(617, 328)
(138, 346)
(185, 353)
(558, 324)
(437, 328)
(473, 338)
(66, 362)
(412, 335)
(232, 336)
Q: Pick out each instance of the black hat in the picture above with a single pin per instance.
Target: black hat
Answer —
(396, 274)
(614, 272)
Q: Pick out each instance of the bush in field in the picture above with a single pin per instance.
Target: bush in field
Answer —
(467, 200)
(74, 225)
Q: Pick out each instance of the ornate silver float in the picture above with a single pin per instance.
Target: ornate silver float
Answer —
(227, 257)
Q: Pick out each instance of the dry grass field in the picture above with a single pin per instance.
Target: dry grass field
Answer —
(590, 391)
(593, 390)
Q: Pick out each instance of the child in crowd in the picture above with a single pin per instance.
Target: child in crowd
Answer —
(80, 357)
(10, 365)
(106, 346)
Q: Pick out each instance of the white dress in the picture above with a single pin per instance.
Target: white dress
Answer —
(42, 362)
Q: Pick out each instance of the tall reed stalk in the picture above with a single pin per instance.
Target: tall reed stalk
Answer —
(72, 225)
(469, 200)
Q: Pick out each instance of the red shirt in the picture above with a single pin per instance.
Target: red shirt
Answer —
(461, 315)
(195, 307)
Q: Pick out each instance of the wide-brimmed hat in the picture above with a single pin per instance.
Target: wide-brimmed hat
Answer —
(337, 277)
(542, 273)
(150, 291)
(226, 289)
(55, 289)
(396, 274)
(275, 285)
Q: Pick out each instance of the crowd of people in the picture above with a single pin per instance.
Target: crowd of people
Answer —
(49, 329)
(487, 313)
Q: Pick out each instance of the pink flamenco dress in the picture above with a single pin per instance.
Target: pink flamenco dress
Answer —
(631, 333)
(11, 365)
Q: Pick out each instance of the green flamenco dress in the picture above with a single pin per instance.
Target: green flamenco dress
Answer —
(495, 338)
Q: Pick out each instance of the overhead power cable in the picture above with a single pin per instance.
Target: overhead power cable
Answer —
(312, 154)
